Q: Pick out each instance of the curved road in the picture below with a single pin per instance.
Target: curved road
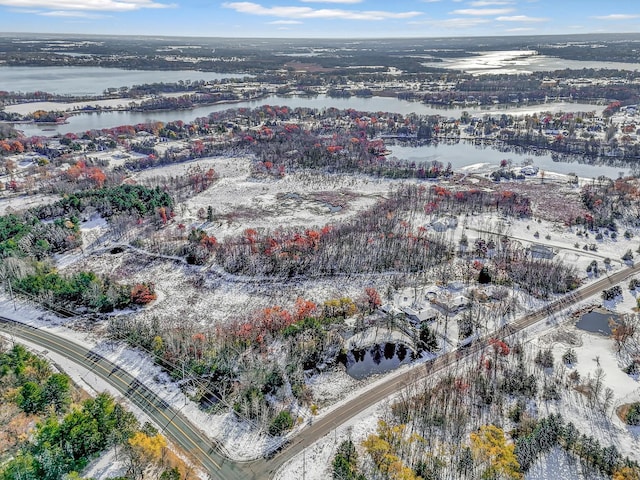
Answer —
(173, 424)
(325, 425)
(191, 439)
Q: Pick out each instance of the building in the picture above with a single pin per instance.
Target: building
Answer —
(541, 251)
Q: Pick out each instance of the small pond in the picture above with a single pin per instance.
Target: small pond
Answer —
(378, 358)
(596, 322)
(209, 400)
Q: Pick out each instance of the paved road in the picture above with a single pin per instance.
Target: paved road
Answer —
(203, 450)
(395, 384)
(173, 424)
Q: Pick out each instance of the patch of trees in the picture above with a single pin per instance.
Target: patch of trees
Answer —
(541, 277)
(498, 175)
(632, 415)
(233, 366)
(134, 199)
(67, 435)
(552, 431)
(41, 116)
(441, 412)
(26, 235)
(386, 448)
(612, 293)
(180, 187)
(60, 444)
(344, 465)
(609, 202)
(78, 291)
(185, 101)
(36, 386)
(377, 240)
(473, 200)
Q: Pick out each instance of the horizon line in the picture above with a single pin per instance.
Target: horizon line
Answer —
(592, 34)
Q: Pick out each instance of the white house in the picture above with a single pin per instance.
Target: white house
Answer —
(421, 315)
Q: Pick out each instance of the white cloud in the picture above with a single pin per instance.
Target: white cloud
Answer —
(69, 14)
(522, 18)
(453, 23)
(618, 16)
(429, 1)
(520, 29)
(323, 13)
(482, 11)
(331, 1)
(488, 3)
(85, 5)
(285, 22)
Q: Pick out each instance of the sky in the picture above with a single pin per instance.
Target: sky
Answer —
(320, 18)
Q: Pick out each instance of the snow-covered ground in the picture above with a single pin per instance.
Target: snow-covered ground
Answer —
(240, 201)
(204, 295)
(27, 108)
(19, 203)
(559, 465)
(314, 463)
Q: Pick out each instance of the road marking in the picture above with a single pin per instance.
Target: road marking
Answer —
(51, 338)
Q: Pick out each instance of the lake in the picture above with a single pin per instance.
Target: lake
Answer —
(99, 120)
(460, 155)
(463, 154)
(92, 80)
(512, 62)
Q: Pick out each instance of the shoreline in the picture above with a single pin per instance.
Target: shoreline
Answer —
(483, 108)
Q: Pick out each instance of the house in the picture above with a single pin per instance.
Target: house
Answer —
(452, 304)
(541, 251)
(422, 315)
(412, 296)
(529, 170)
(390, 309)
(442, 224)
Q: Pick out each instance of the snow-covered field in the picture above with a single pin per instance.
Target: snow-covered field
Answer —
(14, 204)
(240, 201)
(207, 296)
(593, 351)
(27, 108)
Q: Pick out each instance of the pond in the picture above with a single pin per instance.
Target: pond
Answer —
(596, 322)
(209, 400)
(378, 358)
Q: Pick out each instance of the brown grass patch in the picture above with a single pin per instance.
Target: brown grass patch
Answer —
(622, 411)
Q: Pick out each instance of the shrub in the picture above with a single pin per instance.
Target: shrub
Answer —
(280, 424)
(544, 358)
(612, 293)
(484, 277)
(632, 369)
(550, 392)
(633, 414)
(569, 357)
(143, 293)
